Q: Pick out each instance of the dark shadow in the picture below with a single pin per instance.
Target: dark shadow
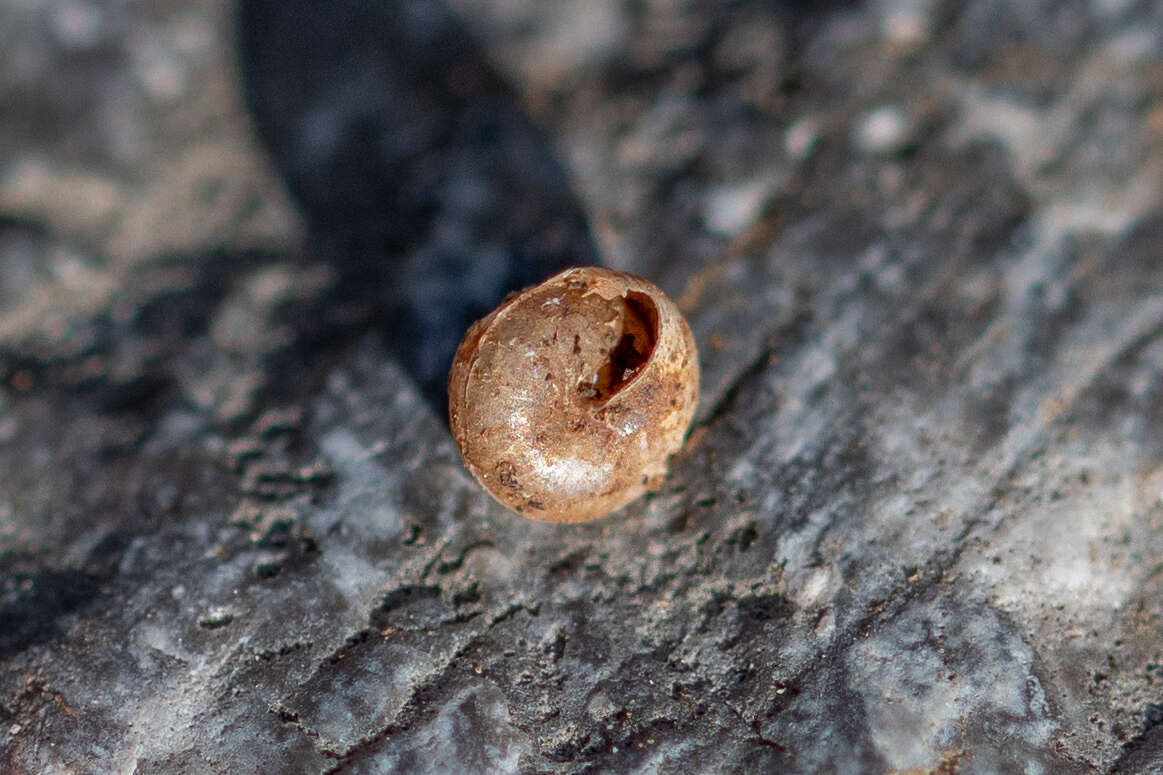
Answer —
(420, 179)
(1144, 752)
(31, 604)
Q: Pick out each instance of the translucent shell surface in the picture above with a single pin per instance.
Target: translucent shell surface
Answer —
(568, 400)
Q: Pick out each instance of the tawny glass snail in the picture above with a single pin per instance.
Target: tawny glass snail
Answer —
(568, 400)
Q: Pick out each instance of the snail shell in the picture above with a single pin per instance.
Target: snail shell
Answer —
(568, 400)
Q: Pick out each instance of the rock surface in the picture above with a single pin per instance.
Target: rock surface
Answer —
(917, 528)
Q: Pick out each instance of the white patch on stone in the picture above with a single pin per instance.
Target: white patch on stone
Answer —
(906, 24)
(801, 138)
(732, 208)
(937, 666)
(884, 130)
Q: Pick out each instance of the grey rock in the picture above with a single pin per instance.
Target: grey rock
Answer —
(918, 526)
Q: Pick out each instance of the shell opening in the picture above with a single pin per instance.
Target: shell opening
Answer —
(638, 320)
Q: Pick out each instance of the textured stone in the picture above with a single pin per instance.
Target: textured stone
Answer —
(917, 527)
